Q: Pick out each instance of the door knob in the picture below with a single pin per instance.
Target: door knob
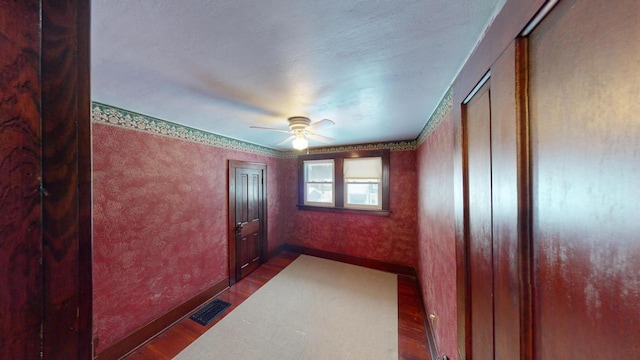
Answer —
(239, 226)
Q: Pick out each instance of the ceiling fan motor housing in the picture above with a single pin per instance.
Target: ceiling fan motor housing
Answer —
(298, 123)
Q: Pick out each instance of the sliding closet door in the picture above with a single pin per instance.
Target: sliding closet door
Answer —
(585, 138)
(509, 205)
(479, 237)
(495, 210)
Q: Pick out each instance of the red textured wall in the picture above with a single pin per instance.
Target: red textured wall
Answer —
(160, 224)
(436, 234)
(390, 239)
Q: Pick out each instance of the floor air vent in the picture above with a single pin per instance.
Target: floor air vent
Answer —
(209, 312)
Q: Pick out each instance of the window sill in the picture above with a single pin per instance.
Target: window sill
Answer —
(344, 210)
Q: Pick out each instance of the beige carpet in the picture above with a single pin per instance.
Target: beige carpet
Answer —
(313, 309)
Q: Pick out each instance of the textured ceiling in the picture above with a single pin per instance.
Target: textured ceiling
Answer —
(376, 68)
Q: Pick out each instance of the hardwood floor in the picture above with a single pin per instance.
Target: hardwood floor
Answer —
(412, 342)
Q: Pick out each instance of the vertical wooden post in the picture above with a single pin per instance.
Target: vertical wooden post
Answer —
(66, 180)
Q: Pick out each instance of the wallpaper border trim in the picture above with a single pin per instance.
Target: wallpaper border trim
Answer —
(114, 116)
(442, 110)
(406, 145)
(111, 115)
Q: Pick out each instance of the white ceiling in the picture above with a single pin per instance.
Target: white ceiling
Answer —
(376, 68)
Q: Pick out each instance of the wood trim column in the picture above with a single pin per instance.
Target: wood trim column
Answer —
(66, 180)
(20, 168)
(525, 244)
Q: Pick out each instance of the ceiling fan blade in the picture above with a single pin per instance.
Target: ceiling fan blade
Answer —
(271, 129)
(289, 139)
(320, 138)
(320, 124)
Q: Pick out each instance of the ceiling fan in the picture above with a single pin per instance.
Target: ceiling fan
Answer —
(301, 129)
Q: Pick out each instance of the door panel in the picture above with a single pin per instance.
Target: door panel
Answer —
(249, 189)
(480, 244)
(247, 218)
(585, 131)
(508, 169)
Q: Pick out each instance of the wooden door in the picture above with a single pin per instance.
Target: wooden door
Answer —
(247, 217)
(479, 217)
(495, 212)
(584, 76)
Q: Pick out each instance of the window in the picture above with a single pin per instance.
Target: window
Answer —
(318, 183)
(363, 183)
(345, 182)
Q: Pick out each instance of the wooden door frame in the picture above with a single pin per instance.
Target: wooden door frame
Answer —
(67, 324)
(49, 90)
(49, 79)
(231, 224)
(464, 261)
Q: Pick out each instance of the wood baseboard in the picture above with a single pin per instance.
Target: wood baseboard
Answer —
(157, 326)
(431, 337)
(354, 260)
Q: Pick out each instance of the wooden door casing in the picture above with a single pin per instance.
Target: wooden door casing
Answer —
(510, 204)
(247, 223)
(45, 185)
(20, 199)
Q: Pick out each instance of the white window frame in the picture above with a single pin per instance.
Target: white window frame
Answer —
(378, 182)
(333, 183)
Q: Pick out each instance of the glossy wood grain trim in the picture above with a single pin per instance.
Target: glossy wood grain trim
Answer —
(85, 183)
(152, 329)
(368, 263)
(525, 241)
(461, 212)
(20, 168)
(66, 177)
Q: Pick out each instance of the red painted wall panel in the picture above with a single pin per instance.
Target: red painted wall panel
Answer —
(436, 234)
(389, 239)
(160, 224)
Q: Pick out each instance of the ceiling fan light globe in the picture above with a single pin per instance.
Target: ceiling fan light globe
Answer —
(300, 143)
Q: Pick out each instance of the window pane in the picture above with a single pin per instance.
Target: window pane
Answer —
(321, 193)
(363, 194)
(319, 171)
